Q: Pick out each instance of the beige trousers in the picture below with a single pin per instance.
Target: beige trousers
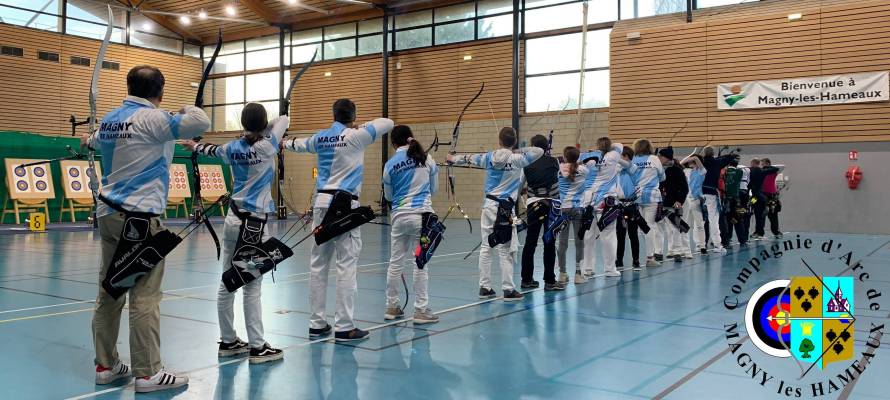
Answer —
(144, 309)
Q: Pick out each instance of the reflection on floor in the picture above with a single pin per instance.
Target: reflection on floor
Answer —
(658, 332)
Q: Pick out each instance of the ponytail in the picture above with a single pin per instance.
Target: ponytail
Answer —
(400, 136)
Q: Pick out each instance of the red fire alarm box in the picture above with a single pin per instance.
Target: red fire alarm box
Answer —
(854, 155)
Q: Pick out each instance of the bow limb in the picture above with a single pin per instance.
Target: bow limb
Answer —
(455, 135)
(285, 102)
(94, 94)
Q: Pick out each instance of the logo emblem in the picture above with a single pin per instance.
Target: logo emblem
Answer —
(736, 94)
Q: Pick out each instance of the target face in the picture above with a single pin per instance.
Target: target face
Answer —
(73, 172)
(39, 172)
(22, 185)
(40, 185)
(766, 318)
(76, 186)
(19, 172)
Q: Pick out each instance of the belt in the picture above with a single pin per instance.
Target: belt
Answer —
(117, 207)
(333, 192)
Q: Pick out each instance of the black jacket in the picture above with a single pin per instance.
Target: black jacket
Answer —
(674, 188)
(714, 165)
(542, 177)
(757, 176)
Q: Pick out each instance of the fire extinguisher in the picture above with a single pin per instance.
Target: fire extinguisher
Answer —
(854, 176)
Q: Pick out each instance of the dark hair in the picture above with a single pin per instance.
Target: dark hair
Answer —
(708, 151)
(401, 135)
(254, 118)
(571, 155)
(344, 111)
(541, 142)
(146, 82)
(764, 161)
(627, 152)
(604, 144)
(507, 136)
(642, 147)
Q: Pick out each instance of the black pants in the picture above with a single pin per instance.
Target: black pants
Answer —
(631, 231)
(773, 215)
(759, 213)
(535, 230)
(741, 222)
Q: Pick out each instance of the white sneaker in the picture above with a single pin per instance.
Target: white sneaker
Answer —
(105, 376)
(563, 278)
(579, 278)
(162, 380)
(612, 274)
(651, 263)
(720, 250)
(688, 255)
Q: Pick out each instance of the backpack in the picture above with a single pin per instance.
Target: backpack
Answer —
(732, 180)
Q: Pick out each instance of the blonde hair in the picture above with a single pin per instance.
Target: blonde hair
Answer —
(642, 147)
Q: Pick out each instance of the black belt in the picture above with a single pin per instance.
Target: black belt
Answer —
(333, 192)
(493, 198)
(118, 208)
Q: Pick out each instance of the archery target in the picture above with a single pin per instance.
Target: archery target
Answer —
(764, 318)
(30, 182)
(76, 180)
(213, 183)
(178, 185)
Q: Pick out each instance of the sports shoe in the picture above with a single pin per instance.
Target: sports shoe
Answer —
(777, 235)
(720, 250)
(703, 251)
(425, 316)
(232, 349)
(756, 237)
(563, 278)
(354, 334)
(512, 295)
(553, 287)
(619, 265)
(612, 274)
(317, 332)
(580, 278)
(487, 293)
(636, 266)
(688, 256)
(105, 376)
(678, 258)
(393, 313)
(265, 354)
(659, 257)
(651, 263)
(530, 285)
(589, 274)
(162, 380)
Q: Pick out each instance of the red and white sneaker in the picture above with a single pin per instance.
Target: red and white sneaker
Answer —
(162, 380)
(105, 375)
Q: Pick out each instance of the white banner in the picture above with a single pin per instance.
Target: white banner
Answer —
(836, 89)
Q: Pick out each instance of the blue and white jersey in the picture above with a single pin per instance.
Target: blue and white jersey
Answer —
(341, 155)
(571, 189)
(253, 166)
(696, 179)
(606, 182)
(408, 186)
(649, 174)
(136, 141)
(627, 183)
(505, 175)
(592, 172)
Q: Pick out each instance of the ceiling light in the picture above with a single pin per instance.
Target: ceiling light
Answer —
(328, 74)
(795, 17)
(146, 26)
(230, 10)
(202, 14)
(185, 19)
(468, 57)
(292, 2)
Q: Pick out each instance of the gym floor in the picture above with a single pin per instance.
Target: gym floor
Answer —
(658, 333)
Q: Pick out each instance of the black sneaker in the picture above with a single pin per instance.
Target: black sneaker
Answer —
(513, 295)
(552, 287)
(487, 293)
(354, 334)
(659, 257)
(619, 265)
(530, 285)
(317, 332)
(232, 349)
(703, 251)
(265, 354)
(678, 258)
(636, 266)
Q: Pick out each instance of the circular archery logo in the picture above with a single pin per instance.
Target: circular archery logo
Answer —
(809, 319)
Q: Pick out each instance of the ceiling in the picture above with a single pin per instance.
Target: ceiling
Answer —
(262, 17)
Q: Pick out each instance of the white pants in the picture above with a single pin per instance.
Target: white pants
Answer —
(654, 239)
(252, 292)
(713, 220)
(341, 251)
(674, 238)
(693, 216)
(405, 238)
(506, 252)
(590, 245)
(608, 239)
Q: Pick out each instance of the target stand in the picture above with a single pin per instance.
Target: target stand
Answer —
(75, 179)
(178, 191)
(29, 188)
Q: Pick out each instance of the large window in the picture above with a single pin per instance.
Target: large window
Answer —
(32, 14)
(553, 71)
(224, 98)
(90, 19)
(337, 41)
(453, 24)
(145, 32)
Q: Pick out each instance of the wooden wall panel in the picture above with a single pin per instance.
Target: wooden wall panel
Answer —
(38, 96)
(669, 76)
(358, 80)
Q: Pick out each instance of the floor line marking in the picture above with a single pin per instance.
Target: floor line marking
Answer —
(696, 371)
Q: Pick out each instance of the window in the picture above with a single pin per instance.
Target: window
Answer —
(339, 49)
(553, 65)
(12, 51)
(114, 66)
(455, 32)
(48, 56)
(418, 18)
(191, 50)
(90, 19)
(495, 26)
(412, 38)
(225, 97)
(145, 32)
(455, 13)
(716, 3)
(648, 8)
(28, 13)
(82, 61)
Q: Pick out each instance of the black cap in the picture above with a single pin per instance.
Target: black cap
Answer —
(667, 152)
